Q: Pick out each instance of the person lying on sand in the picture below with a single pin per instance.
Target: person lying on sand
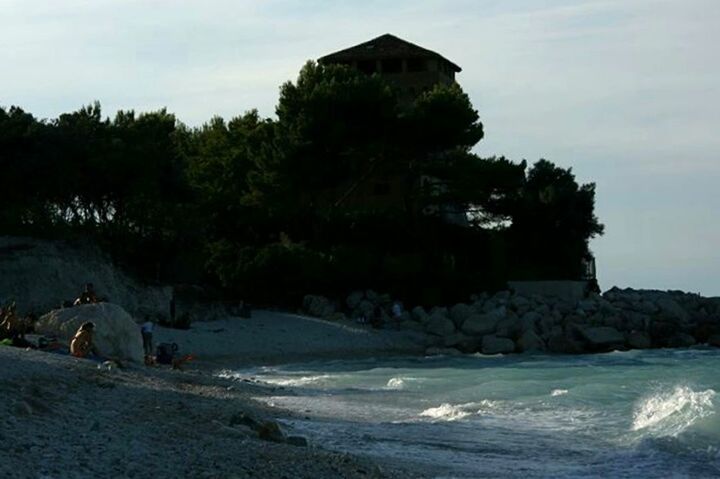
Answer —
(82, 344)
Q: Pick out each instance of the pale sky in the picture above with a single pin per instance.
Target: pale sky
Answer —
(626, 92)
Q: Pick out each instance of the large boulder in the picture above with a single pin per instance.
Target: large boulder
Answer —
(481, 324)
(491, 344)
(602, 337)
(460, 312)
(510, 327)
(116, 335)
(440, 325)
(420, 315)
(560, 342)
(638, 340)
(530, 341)
(671, 309)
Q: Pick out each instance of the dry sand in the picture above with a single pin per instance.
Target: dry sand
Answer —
(62, 417)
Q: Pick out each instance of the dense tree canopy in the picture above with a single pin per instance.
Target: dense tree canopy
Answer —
(347, 188)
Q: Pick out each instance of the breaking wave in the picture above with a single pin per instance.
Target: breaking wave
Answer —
(669, 413)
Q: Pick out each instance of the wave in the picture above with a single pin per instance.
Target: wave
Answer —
(558, 392)
(670, 413)
(453, 412)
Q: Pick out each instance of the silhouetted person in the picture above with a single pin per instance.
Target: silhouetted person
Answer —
(147, 336)
(88, 296)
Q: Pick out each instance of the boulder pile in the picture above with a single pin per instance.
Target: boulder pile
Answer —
(505, 322)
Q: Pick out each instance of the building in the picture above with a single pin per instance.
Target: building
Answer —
(412, 70)
(409, 67)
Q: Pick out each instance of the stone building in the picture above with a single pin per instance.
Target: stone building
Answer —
(412, 70)
(409, 67)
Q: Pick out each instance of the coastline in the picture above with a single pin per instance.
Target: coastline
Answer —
(67, 417)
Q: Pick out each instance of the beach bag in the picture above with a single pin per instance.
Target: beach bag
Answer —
(165, 352)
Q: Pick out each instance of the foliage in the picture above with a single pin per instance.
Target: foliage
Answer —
(274, 209)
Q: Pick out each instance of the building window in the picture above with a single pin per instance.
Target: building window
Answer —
(392, 65)
(367, 66)
(381, 189)
(416, 65)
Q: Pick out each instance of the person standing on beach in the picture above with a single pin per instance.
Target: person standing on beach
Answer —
(147, 332)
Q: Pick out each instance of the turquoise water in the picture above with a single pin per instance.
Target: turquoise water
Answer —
(622, 414)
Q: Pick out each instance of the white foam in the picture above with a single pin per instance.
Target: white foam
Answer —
(447, 411)
(297, 381)
(558, 392)
(670, 413)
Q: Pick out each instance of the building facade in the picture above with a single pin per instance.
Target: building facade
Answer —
(408, 67)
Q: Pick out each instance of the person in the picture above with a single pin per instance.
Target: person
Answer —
(88, 296)
(172, 308)
(397, 310)
(82, 344)
(147, 333)
(10, 324)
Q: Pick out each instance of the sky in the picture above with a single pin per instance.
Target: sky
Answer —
(625, 92)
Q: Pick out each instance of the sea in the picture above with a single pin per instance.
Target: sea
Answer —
(652, 413)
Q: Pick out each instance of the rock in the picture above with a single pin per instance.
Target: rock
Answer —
(561, 343)
(318, 306)
(460, 312)
(481, 324)
(455, 340)
(671, 309)
(440, 325)
(714, 340)
(519, 303)
(530, 341)
(681, 340)
(420, 315)
(661, 332)
(270, 431)
(116, 334)
(602, 337)
(491, 344)
(638, 340)
(411, 326)
(354, 298)
(298, 441)
(509, 327)
(501, 296)
(243, 419)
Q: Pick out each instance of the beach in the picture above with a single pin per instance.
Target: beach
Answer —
(65, 417)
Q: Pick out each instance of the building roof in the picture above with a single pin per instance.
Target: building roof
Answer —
(384, 46)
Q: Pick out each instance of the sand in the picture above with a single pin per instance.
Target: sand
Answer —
(62, 417)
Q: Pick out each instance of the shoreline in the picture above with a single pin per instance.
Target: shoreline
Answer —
(68, 417)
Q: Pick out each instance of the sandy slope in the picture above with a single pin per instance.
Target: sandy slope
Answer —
(62, 417)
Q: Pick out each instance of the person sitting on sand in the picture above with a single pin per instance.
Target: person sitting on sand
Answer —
(82, 344)
(88, 296)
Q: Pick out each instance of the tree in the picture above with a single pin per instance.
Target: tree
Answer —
(553, 221)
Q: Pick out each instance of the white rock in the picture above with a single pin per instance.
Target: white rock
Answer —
(116, 335)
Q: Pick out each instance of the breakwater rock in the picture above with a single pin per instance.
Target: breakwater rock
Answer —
(505, 322)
